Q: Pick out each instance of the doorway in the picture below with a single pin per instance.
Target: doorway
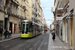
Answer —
(11, 26)
(15, 28)
(5, 24)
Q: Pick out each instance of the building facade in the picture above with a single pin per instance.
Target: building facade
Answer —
(12, 12)
(66, 25)
(2, 4)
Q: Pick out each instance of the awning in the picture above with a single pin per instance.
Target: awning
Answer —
(70, 15)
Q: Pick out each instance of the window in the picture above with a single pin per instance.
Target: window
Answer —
(27, 1)
(0, 2)
(24, 0)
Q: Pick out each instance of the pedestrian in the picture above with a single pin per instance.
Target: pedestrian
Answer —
(46, 30)
(53, 34)
(9, 31)
(1, 31)
(6, 33)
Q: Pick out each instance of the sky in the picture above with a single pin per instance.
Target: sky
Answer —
(46, 6)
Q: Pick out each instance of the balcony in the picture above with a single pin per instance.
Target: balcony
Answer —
(24, 7)
(16, 2)
(34, 11)
(12, 13)
(1, 6)
(8, 11)
(38, 19)
(39, 14)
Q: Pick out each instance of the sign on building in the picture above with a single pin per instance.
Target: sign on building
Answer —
(59, 17)
(6, 15)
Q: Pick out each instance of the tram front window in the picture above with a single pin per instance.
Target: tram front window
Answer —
(25, 27)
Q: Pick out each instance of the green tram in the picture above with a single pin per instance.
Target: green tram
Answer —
(30, 29)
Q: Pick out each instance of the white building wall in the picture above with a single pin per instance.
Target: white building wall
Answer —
(63, 36)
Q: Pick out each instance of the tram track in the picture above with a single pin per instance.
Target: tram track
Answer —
(23, 44)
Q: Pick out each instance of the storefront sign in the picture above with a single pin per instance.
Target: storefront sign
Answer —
(58, 15)
(63, 10)
(56, 23)
(59, 18)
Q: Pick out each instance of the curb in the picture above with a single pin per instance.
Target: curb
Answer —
(9, 39)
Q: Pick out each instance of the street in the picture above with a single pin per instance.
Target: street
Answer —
(37, 25)
(37, 43)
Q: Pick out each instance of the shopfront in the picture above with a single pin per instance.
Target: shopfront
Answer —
(13, 24)
(1, 23)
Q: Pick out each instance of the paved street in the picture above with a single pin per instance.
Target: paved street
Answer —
(38, 43)
(41, 42)
(57, 44)
(12, 37)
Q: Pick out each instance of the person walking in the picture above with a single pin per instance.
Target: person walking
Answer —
(6, 33)
(1, 31)
(53, 33)
(9, 32)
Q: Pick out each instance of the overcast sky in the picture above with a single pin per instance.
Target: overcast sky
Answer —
(46, 6)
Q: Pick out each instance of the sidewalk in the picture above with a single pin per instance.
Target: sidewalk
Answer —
(12, 37)
(57, 44)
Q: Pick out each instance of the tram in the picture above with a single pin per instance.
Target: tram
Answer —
(30, 29)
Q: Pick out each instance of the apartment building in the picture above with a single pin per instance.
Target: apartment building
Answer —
(9, 15)
(23, 11)
(12, 12)
(34, 10)
(39, 11)
(2, 4)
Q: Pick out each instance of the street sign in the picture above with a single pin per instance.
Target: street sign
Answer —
(6, 15)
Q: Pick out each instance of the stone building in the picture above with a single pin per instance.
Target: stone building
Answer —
(12, 12)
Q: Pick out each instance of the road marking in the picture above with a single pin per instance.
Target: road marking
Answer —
(41, 43)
